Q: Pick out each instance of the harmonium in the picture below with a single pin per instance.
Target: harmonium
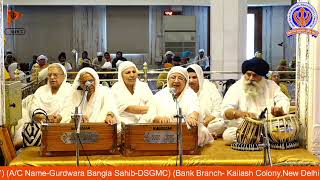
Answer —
(157, 139)
(59, 139)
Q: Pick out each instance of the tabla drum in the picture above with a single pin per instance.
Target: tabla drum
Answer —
(283, 131)
(248, 135)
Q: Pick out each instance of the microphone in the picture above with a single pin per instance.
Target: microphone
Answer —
(263, 114)
(173, 92)
(88, 84)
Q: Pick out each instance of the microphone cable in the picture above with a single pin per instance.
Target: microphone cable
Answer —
(177, 123)
(78, 135)
(84, 151)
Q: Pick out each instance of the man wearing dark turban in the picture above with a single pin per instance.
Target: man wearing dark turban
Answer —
(250, 95)
(257, 65)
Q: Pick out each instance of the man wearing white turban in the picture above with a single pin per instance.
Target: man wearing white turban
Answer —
(53, 98)
(187, 99)
(99, 61)
(135, 101)
(99, 105)
(168, 57)
(202, 60)
(250, 95)
(210, 100)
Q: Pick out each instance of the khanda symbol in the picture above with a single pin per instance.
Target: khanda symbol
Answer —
(302, 17)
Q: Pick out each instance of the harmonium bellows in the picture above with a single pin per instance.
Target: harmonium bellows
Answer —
(96, 139)
(157, 140)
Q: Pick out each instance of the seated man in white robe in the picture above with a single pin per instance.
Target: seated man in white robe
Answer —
(187, 99)
(52, 98)
(210, 100)
(98, 105)
(250, 95)
(134, 99)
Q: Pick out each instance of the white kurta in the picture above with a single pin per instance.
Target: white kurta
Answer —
(44, 99)
(236, 98)
(166, 106)
(273, 96)
(52, 103)
(68, 66)
(189, 102)
(210, 99)
(98, 106)
(100, 103)
(203, 62)
(210, 102)
(142, 96)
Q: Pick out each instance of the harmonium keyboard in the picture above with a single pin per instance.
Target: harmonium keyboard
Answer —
(59, 139)
(157, 140)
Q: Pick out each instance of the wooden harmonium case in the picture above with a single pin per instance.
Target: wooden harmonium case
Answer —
(60, 139)
(157, 140)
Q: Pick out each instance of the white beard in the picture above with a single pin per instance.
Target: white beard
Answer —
(254, 89)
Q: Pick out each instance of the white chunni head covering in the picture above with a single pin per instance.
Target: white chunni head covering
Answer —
(91, 71)
(53, 103)
(42, 57)
(181, 70)
(123, 66)
(94, 108)
(199, 73)
(61, 67)
(178, 69)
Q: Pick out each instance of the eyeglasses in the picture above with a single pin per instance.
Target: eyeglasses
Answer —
(180, 78)
(54, 75)
(84, 82)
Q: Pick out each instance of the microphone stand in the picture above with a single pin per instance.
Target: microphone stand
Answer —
(267, 160)
(78, 119)
(179, 117)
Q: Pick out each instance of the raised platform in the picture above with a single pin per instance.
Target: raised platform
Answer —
(215, 154)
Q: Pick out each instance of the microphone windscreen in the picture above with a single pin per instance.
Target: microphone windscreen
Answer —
(172, 91)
